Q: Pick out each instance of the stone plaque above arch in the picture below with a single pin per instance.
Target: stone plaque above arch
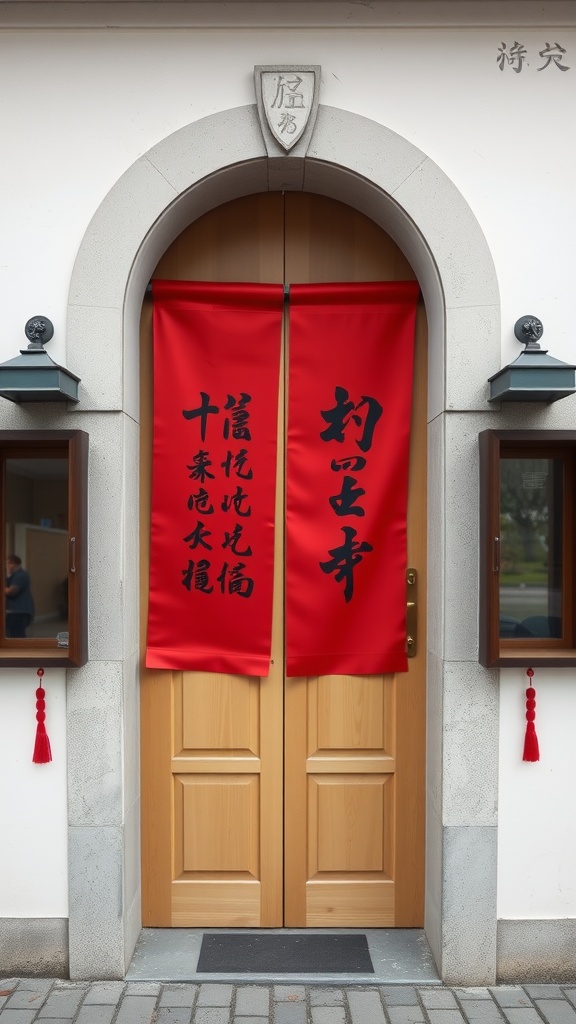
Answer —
(287, 100)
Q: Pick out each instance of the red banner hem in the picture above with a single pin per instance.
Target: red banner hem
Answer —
(229, 663)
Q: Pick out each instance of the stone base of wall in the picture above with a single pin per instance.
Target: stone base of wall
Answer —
(536, 951)
(34, 947)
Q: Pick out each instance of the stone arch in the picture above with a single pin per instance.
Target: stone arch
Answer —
(209, 162)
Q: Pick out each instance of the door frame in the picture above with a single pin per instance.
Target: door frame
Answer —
(365, 165)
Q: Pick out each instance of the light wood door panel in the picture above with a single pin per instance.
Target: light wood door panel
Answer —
(355, 744)
(213, 747)
(212, 825)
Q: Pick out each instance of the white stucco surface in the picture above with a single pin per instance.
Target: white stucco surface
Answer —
(78, 107)
(33, 813)
(537, 803)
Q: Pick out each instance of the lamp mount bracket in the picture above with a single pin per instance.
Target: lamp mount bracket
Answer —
(38, 330)
(528, 331)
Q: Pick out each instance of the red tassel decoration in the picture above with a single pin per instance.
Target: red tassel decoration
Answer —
(531, 749)
(42, 753)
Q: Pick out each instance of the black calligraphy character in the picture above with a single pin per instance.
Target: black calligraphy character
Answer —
(352, 462)
(344, 411)
(231, 540)
(344, 504)
(553, 54)
(338, 417)
(344, 559)
(236, 500)
(203, 411)
(198, 536)
(239, 417)
(287, 124)
(197, 571)
(286, 95)
(515, 58)
(237, 463)
(373, 414)
(199, 468)
(201, 502)
(238, 583)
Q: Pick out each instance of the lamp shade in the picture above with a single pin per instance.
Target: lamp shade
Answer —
(533, 377)
(33, 376)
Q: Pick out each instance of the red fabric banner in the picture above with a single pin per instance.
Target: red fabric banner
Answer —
(216, 378)
(350, 388)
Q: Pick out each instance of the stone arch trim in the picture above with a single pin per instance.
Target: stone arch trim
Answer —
(362, 163)
(349, 158)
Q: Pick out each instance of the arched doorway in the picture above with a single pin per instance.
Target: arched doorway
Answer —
(359, 161)
(295, 802)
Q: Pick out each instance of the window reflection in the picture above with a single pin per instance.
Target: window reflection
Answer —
(36, 546)
(531, 497)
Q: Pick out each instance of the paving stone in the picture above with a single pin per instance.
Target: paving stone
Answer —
(326, 997)
(136, 1010)
(406, 1014)
(178, 995)
(26, 999)
(399, 995)
(104, 993)
(173, 1015)
(570, 994)
(17, 1016)
(513, 995)
(38, 984)
(62, 1004)
(446, 1016)
(93, 1013)
(290, 1013)
(251, 1020)
(215, 995)
(292, 993)
(438, 999)
(328, 1015)
(211, 1015)
(252, 1001)
(556, 1011)
(544, 991)
(365, 1007)
(143, 988)
(524, 1015)
(471, 993)
(483, 1010)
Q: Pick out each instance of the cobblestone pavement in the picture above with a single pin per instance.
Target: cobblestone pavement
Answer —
(23, 1001)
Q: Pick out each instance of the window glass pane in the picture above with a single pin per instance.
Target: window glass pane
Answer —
(36, 517)
(531, 497)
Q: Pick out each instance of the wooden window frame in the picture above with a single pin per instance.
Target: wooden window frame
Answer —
(496, 651)
(73, 445)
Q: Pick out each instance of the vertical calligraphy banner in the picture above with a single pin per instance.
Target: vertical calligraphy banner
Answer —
(216, 379)
(350, 390)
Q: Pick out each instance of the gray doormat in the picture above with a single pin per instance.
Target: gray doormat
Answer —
(284, 954)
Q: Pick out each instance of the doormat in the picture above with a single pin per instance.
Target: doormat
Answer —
(284, 954)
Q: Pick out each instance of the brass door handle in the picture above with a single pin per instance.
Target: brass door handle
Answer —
(411, 612)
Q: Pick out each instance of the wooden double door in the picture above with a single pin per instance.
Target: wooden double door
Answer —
(282, 801)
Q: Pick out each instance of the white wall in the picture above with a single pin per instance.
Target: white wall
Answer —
(537, 808)
(79, 106)
(33, 866)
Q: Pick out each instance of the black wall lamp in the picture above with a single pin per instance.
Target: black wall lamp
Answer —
(534, 376)
(33, 376)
